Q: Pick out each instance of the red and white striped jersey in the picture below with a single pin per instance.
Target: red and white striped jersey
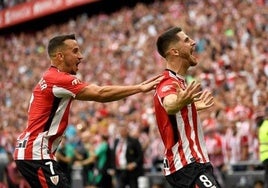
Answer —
(182, 132)
(48, 115)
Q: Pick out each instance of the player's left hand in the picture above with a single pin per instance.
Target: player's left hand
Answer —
(204, 101)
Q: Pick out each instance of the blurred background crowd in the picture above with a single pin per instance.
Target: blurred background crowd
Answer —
(10, 3)
(119, 48)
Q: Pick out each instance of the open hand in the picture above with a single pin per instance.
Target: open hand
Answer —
(151, 83)
(204, 101)
(190, 94)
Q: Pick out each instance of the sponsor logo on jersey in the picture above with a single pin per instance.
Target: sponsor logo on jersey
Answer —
(76, 81)
(166, 88)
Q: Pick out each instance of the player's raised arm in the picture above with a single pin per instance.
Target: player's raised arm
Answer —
(115, 92)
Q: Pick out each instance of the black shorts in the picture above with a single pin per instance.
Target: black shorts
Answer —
(43, 173)
(194, 175)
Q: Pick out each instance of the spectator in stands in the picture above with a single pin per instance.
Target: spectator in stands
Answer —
(100, 159)
(83, 147)
(10, 3)
(65, 156)
(127, 158)
(176, 106)
(156, 150)
(235, 146)
(49, 110)
(215, 151)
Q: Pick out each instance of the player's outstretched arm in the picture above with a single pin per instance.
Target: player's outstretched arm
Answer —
(116, 92)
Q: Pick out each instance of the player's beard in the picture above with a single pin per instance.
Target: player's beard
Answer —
(71, 68)
(73, 71)
(192, 60)
(189, 57)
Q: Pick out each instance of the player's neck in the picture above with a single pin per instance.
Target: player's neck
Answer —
(178, 68)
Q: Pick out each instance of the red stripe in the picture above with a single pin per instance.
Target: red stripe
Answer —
(170, 142)
(182, 154)
(28, 152)
(171, 160)
(188, 131)
(194, 114)
(42, 178)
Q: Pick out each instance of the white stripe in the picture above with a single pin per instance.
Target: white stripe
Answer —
(45, 152)
(193, 135)
(160, 101)
(62, 92)
(185, 140)
(176, 156)
(21, 152)
(39, 146)
(55, 144)
(202, 140)
(58, 116)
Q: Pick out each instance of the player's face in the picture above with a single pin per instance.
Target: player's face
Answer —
(71, 56)
(187, 48)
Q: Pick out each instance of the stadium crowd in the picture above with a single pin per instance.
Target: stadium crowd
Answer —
(232, 41)
(10, 3)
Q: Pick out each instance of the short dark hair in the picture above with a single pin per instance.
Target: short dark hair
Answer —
(56, 42)
(165, 39)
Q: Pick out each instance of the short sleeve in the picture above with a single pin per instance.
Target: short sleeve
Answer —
(166, 87)
(66, 85)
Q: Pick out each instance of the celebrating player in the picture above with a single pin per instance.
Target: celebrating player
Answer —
(186, 162)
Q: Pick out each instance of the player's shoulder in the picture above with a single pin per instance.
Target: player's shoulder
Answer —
(166, 85)
(53, 71)
(54, 76)
(168, 79)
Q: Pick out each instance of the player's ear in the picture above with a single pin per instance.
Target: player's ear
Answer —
(175, 51)
(59, 56)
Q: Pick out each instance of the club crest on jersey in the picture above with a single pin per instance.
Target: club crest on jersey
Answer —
(76, 81)
(55, 179)
(166, 88)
